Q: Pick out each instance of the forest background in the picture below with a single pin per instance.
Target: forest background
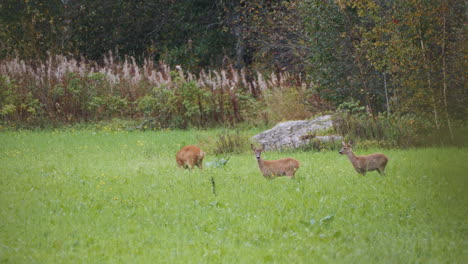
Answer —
(393, 71)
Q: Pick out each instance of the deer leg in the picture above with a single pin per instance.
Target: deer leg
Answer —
(291, 173)
(193, 163)
(190, 166)
(180, 164)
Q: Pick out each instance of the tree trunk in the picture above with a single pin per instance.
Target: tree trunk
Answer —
(444, 73)
(429, 83)
(386, 92)
(239, 47)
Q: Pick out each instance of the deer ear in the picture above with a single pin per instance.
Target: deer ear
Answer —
(351, 142)
(252, 146)
(263, 146)
(343, 143)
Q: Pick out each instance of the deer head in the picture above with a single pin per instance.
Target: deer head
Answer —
(346, 148)
(257, 151)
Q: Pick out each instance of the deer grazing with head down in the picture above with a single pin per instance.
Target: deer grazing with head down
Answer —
(190, 156)
(275, 168)
(365, 163)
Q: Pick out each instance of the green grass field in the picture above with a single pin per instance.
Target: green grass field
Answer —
(118, 197)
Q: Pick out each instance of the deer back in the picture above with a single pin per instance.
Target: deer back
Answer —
(285, 166)
(372, 161)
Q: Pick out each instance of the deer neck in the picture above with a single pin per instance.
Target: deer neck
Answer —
(352, 157)
(260, 162)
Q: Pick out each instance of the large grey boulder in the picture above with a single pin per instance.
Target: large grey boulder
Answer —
(293, 134)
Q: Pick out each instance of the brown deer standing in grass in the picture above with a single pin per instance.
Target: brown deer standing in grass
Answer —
(275, 168)
(190, 156)
(365, 163)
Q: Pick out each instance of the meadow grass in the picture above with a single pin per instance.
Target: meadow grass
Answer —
(117, 197)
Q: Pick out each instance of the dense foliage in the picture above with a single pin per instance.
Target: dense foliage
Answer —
(62, 90)
(399, 57)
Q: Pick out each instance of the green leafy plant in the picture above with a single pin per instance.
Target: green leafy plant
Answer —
(385, 130)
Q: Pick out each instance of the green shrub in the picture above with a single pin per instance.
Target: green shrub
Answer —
(226, 142)
(286, 104)
(318, 145)
(8, 97)
(384, 130)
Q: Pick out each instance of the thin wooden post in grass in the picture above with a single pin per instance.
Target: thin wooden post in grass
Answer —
(213, 185)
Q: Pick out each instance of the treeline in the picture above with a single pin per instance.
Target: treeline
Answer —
(400, 57)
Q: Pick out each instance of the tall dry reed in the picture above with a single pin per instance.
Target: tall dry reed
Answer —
(64, 89)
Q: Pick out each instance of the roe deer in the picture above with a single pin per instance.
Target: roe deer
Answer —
(274, 168)
(189, 156)
(365, 163)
